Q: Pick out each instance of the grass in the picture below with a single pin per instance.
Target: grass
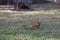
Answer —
(13, 25)
(44, 33)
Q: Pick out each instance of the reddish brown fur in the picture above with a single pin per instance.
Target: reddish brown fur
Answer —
(35, 26)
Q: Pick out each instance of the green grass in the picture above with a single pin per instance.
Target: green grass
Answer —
(13, 28)
(44, 33)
